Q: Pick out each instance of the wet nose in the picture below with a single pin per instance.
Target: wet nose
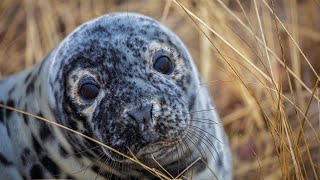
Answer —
(143, 116)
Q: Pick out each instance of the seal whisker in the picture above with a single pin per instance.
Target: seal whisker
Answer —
(199, 121)
(202, 111)
(179, 157)
(205, 141)
(206, 119)
(204, 131)
(100, 171)
(198, 146)
(190, 153)
(182, 152)
(91, 163)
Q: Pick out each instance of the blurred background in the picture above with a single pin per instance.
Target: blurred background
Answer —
(259, 58)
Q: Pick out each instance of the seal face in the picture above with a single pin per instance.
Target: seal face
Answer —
(129, 82)
(136, 77)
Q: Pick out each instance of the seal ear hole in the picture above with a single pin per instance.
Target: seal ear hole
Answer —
(88, 91)
(164, 65)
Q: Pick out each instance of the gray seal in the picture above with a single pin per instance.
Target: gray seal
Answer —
(125, 80)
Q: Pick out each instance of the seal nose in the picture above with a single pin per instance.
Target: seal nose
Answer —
(143, 116)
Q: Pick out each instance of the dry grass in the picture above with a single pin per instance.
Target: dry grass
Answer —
(258, 57)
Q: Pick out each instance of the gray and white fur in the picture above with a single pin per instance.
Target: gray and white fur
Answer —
(134, 101)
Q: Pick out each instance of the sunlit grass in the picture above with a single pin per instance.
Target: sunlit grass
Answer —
(259, 59)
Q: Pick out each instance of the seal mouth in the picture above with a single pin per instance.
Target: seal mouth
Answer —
(147, 154)
(155, 149)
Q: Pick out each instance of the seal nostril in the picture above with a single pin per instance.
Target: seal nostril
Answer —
(151, 112)
(142, 115)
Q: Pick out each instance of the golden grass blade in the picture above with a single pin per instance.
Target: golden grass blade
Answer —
(293, 51)
(162, 167)
(286, 126)
(293, 40)
(258, 160)
(263, 39)
(155, 172)
(307, 110)
(209, 168)
(186, 169)
(205, 49)
(225, 41)
(166, 10)
(318, 93)
(293, 97)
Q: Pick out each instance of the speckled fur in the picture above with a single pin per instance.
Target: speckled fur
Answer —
(117, 51)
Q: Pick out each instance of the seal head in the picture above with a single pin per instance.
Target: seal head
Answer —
(126, 80)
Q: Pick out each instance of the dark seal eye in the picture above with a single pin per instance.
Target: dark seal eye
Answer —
(164, 65)
(89, 91)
